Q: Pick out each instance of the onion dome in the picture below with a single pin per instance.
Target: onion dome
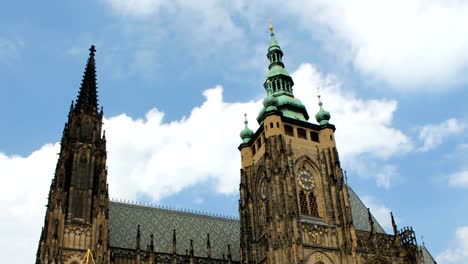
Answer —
(322, 116)
(246, 133)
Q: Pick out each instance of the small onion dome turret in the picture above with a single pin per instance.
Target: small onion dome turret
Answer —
(322, 116)
(246, 134)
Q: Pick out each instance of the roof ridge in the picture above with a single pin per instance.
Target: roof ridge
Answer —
(174, 209)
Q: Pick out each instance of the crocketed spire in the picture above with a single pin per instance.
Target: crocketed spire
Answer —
(87, 100)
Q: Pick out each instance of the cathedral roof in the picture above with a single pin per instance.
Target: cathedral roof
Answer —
(428, 259)
(124, 220)
(360, 214)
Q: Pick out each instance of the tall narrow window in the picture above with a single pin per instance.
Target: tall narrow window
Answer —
(78, 204)
(288, 130)
(303, 202)
(100, 234)
(314, 136)
(313, 205)
(301, 133)
(81, 177)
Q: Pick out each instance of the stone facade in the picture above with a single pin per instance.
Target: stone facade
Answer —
(295, 205)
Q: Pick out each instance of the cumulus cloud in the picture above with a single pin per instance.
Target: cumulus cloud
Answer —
(379, 211)
(457, 252)
(365, 136)
(23, 196)
(408, 43)
(162, 158)
(432, 135)
(459, 179)
(364, 126)
(156, 158)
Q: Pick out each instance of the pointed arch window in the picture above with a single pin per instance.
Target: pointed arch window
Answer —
(81, 177)
(313, 205)
(78, 204)
(303, 202)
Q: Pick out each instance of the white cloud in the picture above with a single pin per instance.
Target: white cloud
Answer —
(206, 21)
(386, 175)
(364, 131)
(138, 7)
(433, 135)
(380, 212)
(459, 179)
(363, 126)
(157, 158)
(409, 43)
(160, 159)
(457, 251)
(23, 196)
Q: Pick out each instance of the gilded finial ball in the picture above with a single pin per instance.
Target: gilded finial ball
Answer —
(270, 27)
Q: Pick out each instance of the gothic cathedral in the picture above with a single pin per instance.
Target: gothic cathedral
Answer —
(295, 205)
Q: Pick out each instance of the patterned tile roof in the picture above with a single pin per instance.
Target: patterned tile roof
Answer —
(124, 219)
(360, 215)
(428, 259)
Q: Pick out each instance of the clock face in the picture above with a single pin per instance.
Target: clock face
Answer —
(306, 180)
(264, 190)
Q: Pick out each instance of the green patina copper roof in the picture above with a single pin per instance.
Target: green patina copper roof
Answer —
(276, 70)
(246, 133)
(125, 218)
(280, 84)
(322, 116)
(273, 43)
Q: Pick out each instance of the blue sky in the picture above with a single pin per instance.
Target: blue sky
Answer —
(175, 78)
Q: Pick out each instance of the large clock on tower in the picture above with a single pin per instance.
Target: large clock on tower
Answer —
(306, 180)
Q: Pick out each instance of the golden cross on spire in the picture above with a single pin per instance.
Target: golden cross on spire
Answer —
(271, 24)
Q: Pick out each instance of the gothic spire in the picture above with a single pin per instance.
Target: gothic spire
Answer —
(138, 238)
(87, 100)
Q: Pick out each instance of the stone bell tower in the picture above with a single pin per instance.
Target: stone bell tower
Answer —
(294, 206)
(77, 217)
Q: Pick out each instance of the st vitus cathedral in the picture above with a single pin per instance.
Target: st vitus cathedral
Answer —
(295, 205)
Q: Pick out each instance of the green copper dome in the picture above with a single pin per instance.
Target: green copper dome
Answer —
(270, 102)
(279, 87)
(246, 133)
(322, 116)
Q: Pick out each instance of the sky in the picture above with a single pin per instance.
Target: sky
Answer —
(175, 78)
